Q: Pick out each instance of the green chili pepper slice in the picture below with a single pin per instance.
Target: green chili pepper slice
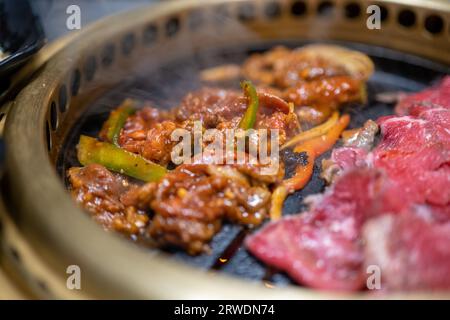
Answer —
(249, 118)
(117, 120)
(90, 150)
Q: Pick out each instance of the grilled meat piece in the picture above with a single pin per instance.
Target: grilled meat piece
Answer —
(99, 192)
(148, 133)
(187, 207)
(316, 78)
(191, 202)
(283, 68)
(222, 109)
(317, 99)
(212, 106)
(331, 92)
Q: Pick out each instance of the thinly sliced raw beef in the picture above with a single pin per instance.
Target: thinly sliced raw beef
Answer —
(439, 95)
(415, 154)
(412, 252)
(399, 194)
(322, 248)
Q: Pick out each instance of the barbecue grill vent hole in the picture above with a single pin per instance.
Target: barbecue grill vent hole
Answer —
(434, 24)
(107, 55)
(325, 8)
(48, 136)
(406, 18)
(42, 286)
(15, 254)
(75, 83)
(172, 26)
(53, 116)
(62, 98)
(90, 68)
(298, 8)
(150, 34)
(352, 10)
(246, 12)
(4, 84)
(384, 13)
(128, 44)
(272, 10)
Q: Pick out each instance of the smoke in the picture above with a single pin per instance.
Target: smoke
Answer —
(156, 78)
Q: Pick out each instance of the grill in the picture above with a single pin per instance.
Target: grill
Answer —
(155, 54)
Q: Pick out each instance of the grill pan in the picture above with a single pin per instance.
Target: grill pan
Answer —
(155, 54)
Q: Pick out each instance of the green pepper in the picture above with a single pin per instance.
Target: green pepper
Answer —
(117, 120)
(90, 150)
(249, 118)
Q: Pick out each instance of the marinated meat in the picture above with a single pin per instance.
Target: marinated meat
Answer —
(212, 106)
(154, 144)
(223, 109)
(330, 92)
(284, 68)
(189, 204)
(317, 99)
(263, 67)
(219, 108)
(147, 133)
(187, 207)
(316, 78)
(193, 200)
(351, 62)
(297, 69)
(99, 191)
(188, 219)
